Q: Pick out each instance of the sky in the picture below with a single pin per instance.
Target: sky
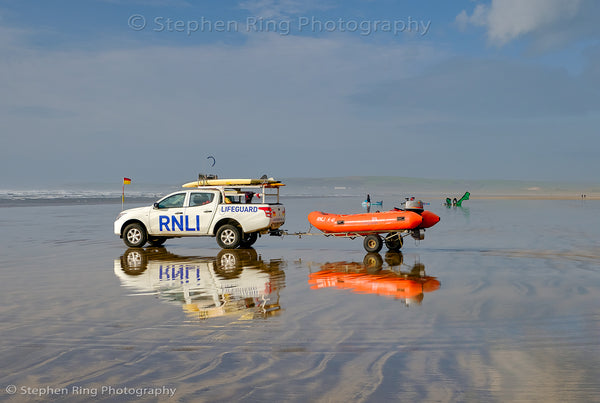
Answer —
(97, 90)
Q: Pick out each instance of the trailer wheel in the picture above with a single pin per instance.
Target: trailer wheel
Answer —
(373, 243)
(229, 236)
(393, 242)
(134, 235)
(373, 263)
(394, 259)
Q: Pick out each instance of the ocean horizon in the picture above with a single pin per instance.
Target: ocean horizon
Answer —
(379, 187)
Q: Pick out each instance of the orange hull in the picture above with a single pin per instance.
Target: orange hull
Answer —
(429, 219)
(386, 221)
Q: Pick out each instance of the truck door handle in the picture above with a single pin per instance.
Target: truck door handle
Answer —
(208, 211)
(179, 212)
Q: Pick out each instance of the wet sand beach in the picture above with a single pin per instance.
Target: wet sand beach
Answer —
(498, 303)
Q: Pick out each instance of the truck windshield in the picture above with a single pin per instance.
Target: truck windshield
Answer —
(173, 201)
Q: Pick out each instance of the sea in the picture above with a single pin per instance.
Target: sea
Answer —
(499, 302)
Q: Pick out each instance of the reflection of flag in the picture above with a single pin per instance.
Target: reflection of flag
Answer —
(126, 181)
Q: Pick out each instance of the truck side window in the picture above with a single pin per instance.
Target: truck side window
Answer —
(198, 199)
(172, 201)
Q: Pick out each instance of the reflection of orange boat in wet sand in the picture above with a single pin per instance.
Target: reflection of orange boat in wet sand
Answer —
(413, 220)
(370, 278)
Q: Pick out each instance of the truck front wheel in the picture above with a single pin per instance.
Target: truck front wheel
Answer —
(135, 235)
(229, 236)
(157, 240)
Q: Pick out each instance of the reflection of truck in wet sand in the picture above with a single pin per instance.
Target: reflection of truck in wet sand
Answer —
(233, 282)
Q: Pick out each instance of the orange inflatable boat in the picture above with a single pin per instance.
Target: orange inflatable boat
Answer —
(396, 223)
(386, 221)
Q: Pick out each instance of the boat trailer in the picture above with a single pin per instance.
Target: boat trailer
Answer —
(373, 240)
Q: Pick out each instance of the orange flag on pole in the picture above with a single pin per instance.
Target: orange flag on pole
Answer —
(126, 181)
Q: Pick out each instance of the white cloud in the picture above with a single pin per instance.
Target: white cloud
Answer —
(478, 18)
(507, 20)
(281, 8)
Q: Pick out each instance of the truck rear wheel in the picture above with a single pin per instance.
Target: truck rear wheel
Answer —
(229, 236)
(249, 239)
(135, 235)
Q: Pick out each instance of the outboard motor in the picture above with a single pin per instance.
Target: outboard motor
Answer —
(418, 234)
(414, 205)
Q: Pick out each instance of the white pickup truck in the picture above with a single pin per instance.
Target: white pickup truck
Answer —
(226, 212)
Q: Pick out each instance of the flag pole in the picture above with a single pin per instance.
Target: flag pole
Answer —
(126, 181)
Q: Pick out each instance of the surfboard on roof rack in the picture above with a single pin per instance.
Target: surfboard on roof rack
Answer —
(233, 182)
